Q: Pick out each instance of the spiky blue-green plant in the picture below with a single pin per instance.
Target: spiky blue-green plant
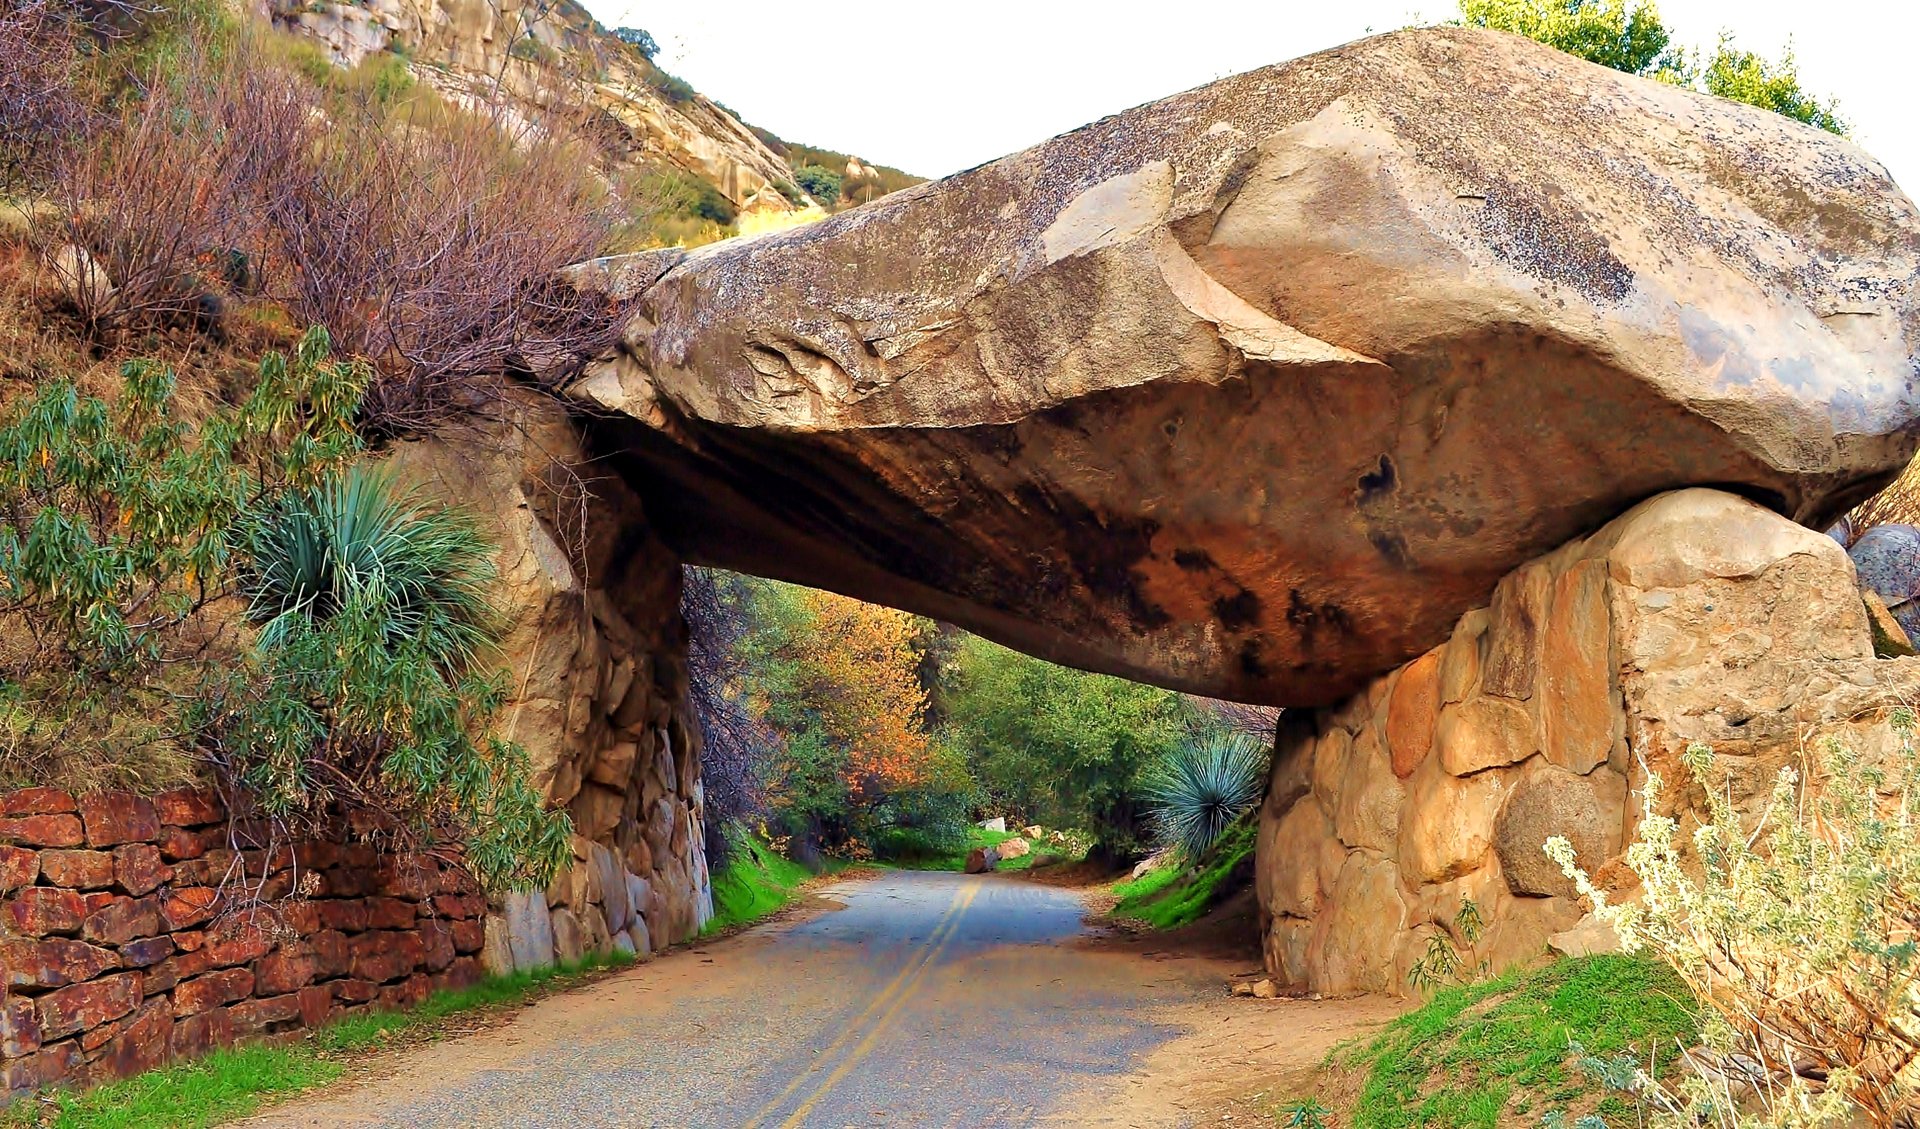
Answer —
(359, 539)
(1202, 787)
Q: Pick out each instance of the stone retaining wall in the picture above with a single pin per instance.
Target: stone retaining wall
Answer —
(136, 930)
(1697, 616)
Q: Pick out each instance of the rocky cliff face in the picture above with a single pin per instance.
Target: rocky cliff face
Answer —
(1252, 391)
(468, 46)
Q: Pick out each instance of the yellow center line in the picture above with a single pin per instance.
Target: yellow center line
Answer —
(866, 1045)
(853, 1025)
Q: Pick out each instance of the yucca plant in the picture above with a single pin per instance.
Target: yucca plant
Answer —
(360, 539)
(1202, 787)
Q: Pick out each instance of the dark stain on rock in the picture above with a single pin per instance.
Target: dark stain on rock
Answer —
(1237, 611)
(1194, 560)
(1309, 618)
(1250, 662)
(1391, 545)
(1104, 555)
(1377, 483)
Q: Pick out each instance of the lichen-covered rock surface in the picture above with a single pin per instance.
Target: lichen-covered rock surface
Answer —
(1695, 617)
(1253, 390)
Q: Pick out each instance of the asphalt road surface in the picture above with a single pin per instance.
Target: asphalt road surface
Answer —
(914, 999)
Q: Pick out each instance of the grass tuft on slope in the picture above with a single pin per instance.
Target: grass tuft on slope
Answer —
(756, 881)
(1499, 1051)
(1176, 895)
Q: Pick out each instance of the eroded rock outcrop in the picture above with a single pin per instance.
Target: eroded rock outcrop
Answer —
(1695, 617)
(1251, 391)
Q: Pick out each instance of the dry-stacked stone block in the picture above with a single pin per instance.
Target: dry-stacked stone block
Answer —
(1696, 616)
(135, 930)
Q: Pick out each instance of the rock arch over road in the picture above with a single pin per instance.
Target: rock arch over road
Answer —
(1254, 390)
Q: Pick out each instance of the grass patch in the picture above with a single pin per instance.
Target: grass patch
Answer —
(1175, 895)
(1497, 1051)
(237, 1081)
(977, 837)
(756, 881)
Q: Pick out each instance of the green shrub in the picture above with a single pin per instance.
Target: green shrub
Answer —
(359, 538)
(823, 184)
(1196, 793)
(1797, 934)
(364, 682)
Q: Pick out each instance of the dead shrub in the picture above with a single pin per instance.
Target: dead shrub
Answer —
(38, 49)
(431, 250)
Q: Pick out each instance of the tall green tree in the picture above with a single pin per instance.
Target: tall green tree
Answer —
(1628, 35)
(1062, 745)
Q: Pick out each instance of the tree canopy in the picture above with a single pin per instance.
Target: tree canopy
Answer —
(1629, 36)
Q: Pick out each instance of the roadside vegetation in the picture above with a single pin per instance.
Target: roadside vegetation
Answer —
(1183, 889)
(756, 880)
(235, 1082)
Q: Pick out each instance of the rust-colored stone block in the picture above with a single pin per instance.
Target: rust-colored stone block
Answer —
(404, 878)
(438, 939)
(254, 1016)
(285, 971)
(386, 956)
(43, 831)
(36, 801)
(389, 913)
(19, 1026)
(316, 1003)
(77, 870)
(187, 906)
(51, 1064)
(18, 867)
(39, 910)
(468, 935)
(123, 919)
(331, 954)
(463, 972)
(138, 868)
(146, 951)
(81, 1006)
(119, 817)
(355, 991)
(195, 1035)
(1412, 712)
(189, 807)
(347, 914)
(178, 844)
(238, 943)
(406, 993)
(190, 997)
(54, 962)
(141, 1043)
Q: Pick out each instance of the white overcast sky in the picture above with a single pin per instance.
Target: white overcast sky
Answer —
(934, 88)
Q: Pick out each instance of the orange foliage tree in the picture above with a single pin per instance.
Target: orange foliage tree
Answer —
(840, 682)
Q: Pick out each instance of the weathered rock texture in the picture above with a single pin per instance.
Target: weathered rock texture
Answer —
(1696, 616)
(597, 678)
(478, 49)
(1251, 390)
(137, 930)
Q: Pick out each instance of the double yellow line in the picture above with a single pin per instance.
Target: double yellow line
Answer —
(893, 997)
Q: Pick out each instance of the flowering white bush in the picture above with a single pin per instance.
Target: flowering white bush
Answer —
(1798, 935)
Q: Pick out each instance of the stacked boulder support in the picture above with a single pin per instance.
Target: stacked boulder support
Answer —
(1695, 617)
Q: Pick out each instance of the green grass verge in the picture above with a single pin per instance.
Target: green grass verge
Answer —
(906, 857)
(236, 1081)
(1497, 1051)
(1175, 895)
(756, 881)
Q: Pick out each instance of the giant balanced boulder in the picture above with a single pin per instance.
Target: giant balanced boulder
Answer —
(1253, 390)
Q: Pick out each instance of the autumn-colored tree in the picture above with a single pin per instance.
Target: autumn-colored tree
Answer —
(840, 682)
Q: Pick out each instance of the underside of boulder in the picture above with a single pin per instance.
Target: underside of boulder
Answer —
(1252, 391)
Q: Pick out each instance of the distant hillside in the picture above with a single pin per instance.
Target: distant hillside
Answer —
(688, 165)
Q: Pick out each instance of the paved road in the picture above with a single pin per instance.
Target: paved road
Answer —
(930, 999)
